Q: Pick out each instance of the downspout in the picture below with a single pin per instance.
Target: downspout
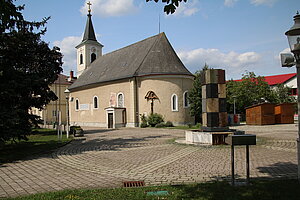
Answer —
(136, 101)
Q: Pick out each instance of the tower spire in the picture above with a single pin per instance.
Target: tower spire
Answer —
(89, 33)
(89, 49)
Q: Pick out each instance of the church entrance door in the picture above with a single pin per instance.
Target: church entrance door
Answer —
(110, 120)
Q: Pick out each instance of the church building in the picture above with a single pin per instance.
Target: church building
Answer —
(113, 90)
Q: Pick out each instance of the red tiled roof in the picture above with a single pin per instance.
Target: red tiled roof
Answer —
(277, 79)
(63, 80)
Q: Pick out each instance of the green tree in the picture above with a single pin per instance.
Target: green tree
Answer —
(250, 90)
(282, 94)
(195, 94)
(27, 67)
(171, 5)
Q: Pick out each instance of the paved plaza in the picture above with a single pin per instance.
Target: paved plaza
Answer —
(106, 158)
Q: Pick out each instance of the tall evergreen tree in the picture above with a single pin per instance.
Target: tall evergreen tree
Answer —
(27, 67)
(195, 94)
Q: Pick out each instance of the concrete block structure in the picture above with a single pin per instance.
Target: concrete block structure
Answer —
(214, 113)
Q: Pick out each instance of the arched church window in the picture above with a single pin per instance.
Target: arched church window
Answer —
(174, 102)
(95, 102)
(120, 100)
(81, 59)
(77, 104)
(186, 102)
(93, 57)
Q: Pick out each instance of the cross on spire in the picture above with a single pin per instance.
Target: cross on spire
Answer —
(89, 5)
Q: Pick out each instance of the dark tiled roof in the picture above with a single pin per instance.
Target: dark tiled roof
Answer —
(63, 80)
(152, 56)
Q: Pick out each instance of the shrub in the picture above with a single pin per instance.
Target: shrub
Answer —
(169, 124)
(154, 119)
(144, 125)
(143, 118)
(160, 125)
(198, 125)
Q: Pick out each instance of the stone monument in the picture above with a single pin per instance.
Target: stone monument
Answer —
(214, 115)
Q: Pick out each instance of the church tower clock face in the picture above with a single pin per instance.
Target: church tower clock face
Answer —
(93, 50)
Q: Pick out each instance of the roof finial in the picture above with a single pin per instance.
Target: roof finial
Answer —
(297, 13)
(89, 5)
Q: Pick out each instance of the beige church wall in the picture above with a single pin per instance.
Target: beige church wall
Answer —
(164, 87)
(98, 117)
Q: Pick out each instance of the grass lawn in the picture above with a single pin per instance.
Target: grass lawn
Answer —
(265, 190)
(41, 141)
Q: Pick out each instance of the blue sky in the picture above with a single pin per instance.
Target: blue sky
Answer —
(235, 35)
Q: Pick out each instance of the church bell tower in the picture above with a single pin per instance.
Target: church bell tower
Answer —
(89, 49)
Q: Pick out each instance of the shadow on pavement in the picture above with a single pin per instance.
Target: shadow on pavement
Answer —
(93, 131)
(280, 169)
(115, 144)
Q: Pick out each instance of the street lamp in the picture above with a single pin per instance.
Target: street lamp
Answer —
(293, 36)
(234, 112)
(67, 92)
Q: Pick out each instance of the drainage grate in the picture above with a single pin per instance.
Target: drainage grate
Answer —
(133, 183)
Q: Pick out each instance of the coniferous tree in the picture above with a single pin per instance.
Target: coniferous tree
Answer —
(195, 94)
(27, 67)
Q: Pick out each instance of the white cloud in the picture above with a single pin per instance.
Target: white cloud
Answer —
(67, 47)
(229, 3)
(263, 2)
(234, 62)
(109, 8)
(186, 9)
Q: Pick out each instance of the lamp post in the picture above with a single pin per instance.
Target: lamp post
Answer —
(67, 92)
(293, 36)
(234, 112)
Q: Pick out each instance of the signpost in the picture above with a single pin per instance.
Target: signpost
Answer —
(235, 140)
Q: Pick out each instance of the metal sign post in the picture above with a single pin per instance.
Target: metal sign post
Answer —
(232, 164)
(247, 140)
(247, 165)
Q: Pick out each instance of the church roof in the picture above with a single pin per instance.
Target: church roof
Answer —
(152, 56)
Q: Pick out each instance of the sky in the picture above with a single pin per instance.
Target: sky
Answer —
(235, 35)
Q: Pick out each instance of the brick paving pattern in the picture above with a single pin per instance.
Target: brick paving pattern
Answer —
(106, 158)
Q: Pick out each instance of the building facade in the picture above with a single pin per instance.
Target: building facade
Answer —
(115, 89)
(56, 111)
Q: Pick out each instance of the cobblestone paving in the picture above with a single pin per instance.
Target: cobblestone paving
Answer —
(106, 158)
